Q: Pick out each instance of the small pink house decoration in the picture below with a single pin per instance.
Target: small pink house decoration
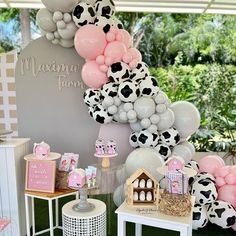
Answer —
(41, 150)
(76, 178)
(177, 180)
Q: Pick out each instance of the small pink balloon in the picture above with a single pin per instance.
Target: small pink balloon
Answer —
(227, 193)
(135, 54)
(119, 37)
(100, 60)
(108, 61)
(103, 68)
(125, 37)
(110, 37)
(92, 76)
(210, 163)
(115, 50)
(222, 172)
(234, 227)
(127, 58)
(113, 29)
(90, 41)
(133, 64)
(220, 181)
(230, 178)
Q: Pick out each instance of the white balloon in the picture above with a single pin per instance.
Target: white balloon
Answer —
(123, 116)
(61, 24)
(161, 98)
(108, 101)
(121, 175)
(57, 35)
(190, 146)
(45, 21)
(187, 118)
(91, 2)
(117, 101)
(183, 152)
(131, 115)
(155, 119)
(133, 121)
(57, 16)
(136, 126)
(112, 109)
(67, 17)
(55, 41)
(50, 36)
(69, 31)
(145, 123)
(128, 106)
(160, 108)
(145, 107)
(152, 128)
(60, 5)
(133, 139)
(119, 195)
(67, 43)
(167, 119)
(116, 116)
(146, 158)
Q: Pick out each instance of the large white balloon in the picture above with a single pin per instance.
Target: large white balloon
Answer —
(145, 107)
(190, 146)
(184, 152)
(119, 195)
(121, 175)
(187, 118)
(146, 158)
(45, 21)
(136, 126)
(60, 5)
(167, 119)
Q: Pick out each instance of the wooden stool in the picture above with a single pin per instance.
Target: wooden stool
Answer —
(49, 197)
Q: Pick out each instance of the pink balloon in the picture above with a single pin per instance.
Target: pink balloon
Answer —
(125, 37)
(90, 41)
(115, 50)
(110, 36)
(108, 61)
(234, 227)
(127, 58)
(210, 163)
(92, 76)
(100, 60)
(227, 193)
(230, 178)
(103, 68)
(220, 181)
(222, 172)
(133, 64)
(135, 54)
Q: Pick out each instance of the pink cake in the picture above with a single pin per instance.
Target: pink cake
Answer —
(41, 150)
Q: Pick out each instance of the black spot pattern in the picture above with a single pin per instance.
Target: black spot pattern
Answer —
(204, 223)
(206, 194)
(106, 10)
(196, 215)
(163, 151)
(100, 119)
(116, 67)
(204, 182)
(91, 11)
(219, 212)
(147, 91)
(142, 138)
(177, 138)
(78, 11)
(138, 92)
(212, 216)
(126, 91)
(126, 75)
(166, 135)
(106, 28)
(83, 23)
(154, 137)
(139, 66)
(231, 221)
(134, 138)
(154, 82)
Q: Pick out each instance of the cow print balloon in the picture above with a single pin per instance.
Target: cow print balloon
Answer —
(222, 214)
(103, 21)
(83, 14)
(133, 139)
(163, 150)
(109, 90)
(92, 97)
(105, 7)
(140, 72)
(118, 72)
(149, 86)
(170, 137)
(200, 218)
(193, 165)
(128, 91)
(147, 139)
(101, 115)
(204, 191)
(205, 176)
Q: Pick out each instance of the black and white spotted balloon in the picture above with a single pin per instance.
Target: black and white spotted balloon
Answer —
(118, 72)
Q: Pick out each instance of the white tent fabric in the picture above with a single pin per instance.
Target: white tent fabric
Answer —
(184, 6)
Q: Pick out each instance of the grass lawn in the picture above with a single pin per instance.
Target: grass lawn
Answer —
(42, 222)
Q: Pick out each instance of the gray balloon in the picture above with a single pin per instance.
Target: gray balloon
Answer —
(167, 119)
(45, 21)
(182, 151)
(66, 43)
(119, 195)
(121, 175)
(145, 107)
(190, 146)
(69, 31)
(60, 5)
(136, 126)
(146, 158)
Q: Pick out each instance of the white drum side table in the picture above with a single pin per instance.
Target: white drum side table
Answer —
(91, 223)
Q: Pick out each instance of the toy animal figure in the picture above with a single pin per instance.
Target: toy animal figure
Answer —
(111, 147)
(175, 164)
(41, 150)
(100, 147)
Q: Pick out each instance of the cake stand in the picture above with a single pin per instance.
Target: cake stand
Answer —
(106, 159)
(51, 157)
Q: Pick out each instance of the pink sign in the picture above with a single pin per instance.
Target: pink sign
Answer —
(40, 176)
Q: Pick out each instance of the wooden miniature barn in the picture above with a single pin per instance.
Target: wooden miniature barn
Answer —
(142, 189)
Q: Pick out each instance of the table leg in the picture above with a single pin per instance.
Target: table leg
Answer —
(121, 227)
(50, 217)
(33, 215)
(57, 212)
(27, 215)
(184, 231)
(190, 230)
(138, 229)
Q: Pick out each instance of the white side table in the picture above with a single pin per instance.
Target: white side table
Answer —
(152, 217)
(48, 197)
(88, 223)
